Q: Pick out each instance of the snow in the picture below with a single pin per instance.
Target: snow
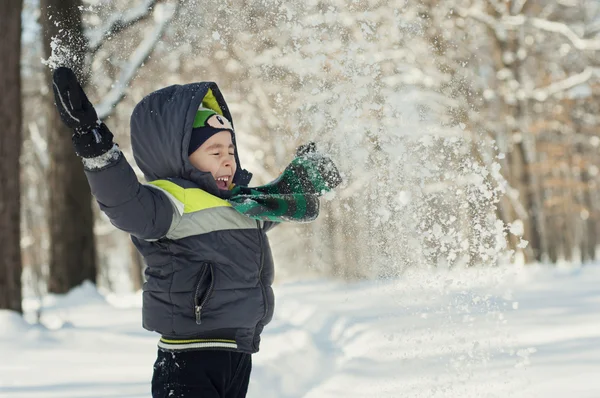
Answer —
(117, 22)
(495, 332)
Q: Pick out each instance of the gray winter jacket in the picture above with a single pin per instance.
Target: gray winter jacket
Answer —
(210, 268)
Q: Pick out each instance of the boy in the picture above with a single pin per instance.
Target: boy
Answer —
(201, 231)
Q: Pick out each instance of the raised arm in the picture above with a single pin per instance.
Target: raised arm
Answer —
(132, 207)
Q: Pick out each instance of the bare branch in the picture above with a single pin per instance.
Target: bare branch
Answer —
(555, 27)
(511, 22)
(568, 3)
(491, 22)
(117, 23)
(541, 94)
(498, 6)
(163, 16)
(547, 11)
(518, 6)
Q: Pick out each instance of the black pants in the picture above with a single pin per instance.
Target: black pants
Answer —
(201, 374)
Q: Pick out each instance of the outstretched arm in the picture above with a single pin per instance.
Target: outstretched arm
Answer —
(294, 195)
(132, 207)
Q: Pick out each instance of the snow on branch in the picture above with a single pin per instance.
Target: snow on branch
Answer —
(563, 29)
(118, 22)
(486, 19)
(479, 15)
(498, 6)
(500, 26)
(542, 94)
(163, 14)
(518, 6)
(554, 27)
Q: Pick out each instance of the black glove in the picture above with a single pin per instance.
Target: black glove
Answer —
(91, 137)
(327, 168)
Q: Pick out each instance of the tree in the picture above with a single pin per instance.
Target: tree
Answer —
(71, 219)
(10, 149)
(542, 56)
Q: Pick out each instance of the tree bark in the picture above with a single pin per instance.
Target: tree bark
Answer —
(10, 150)
(71, 220)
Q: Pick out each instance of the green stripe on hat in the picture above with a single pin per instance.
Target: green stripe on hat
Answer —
(202, 116)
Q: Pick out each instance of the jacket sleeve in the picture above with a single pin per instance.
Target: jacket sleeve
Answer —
(142, 211)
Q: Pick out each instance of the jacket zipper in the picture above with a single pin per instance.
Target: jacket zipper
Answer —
(260, 270)
(199, 304)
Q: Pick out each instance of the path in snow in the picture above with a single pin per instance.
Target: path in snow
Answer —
(474, 333)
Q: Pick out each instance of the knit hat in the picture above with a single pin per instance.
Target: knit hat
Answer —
(206, 124)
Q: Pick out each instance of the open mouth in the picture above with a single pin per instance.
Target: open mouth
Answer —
(223, 182)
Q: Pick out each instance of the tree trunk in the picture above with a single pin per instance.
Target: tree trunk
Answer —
(10, 149)
(590, 238)
(71, 221)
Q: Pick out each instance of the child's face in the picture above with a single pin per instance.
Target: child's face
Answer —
(216, 156)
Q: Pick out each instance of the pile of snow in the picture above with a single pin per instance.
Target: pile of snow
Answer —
(12, 324)
(496, 332)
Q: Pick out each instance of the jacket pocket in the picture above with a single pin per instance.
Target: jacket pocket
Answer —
(205, 285)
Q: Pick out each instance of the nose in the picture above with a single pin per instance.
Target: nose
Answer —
(228, 161)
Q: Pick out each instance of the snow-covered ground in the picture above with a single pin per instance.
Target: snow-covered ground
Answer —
(503, 332)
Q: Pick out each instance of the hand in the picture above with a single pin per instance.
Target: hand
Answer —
(76, 110)
(325, 165)
(91, 138)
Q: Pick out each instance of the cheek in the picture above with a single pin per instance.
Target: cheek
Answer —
(202, 163)
(195, 162)
(210, 165)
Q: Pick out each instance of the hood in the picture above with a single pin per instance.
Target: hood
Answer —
(161, 126)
